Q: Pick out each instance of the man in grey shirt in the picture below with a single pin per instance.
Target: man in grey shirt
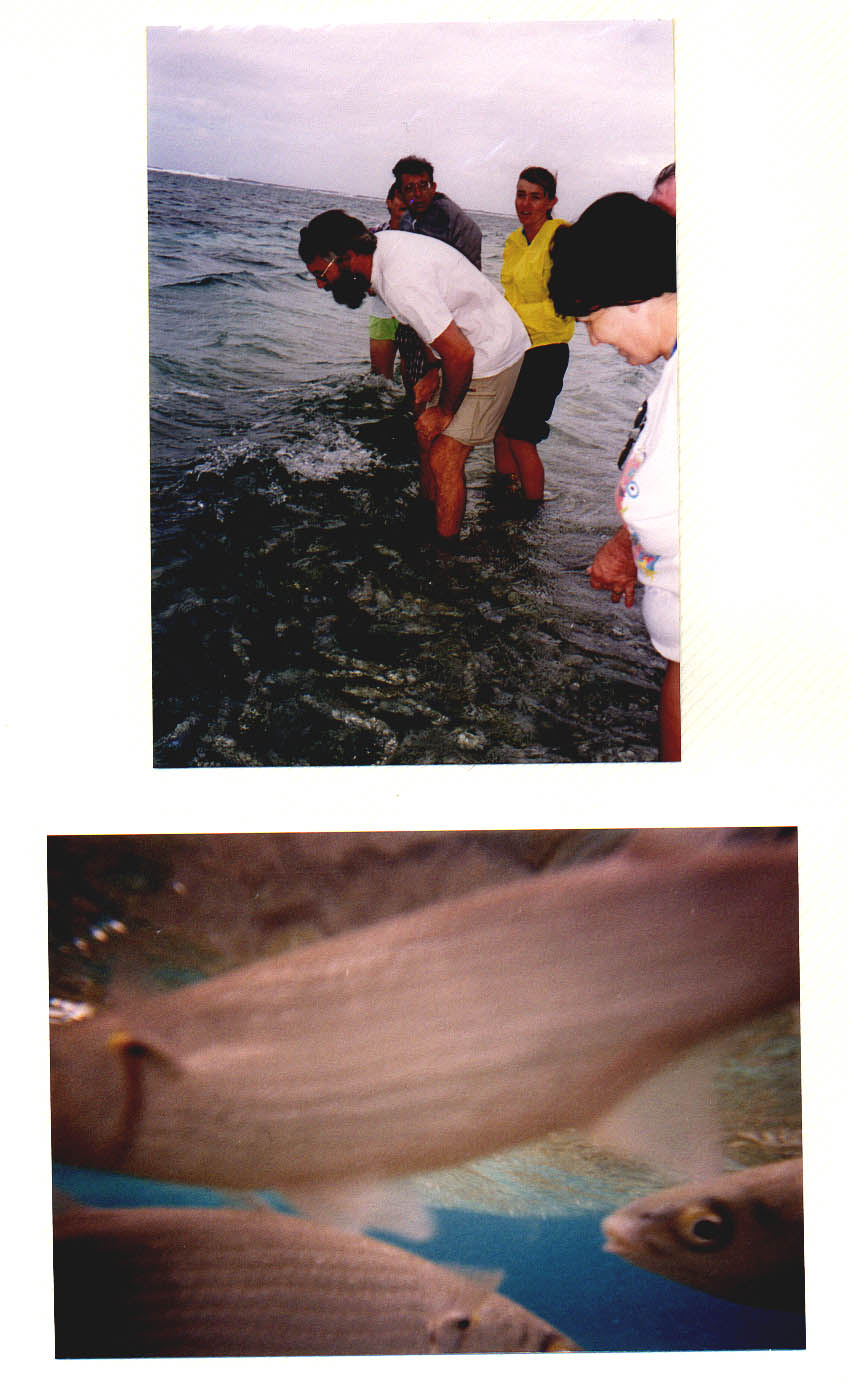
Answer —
(434, 213)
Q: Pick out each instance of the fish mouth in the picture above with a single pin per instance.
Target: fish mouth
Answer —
(615, 1240)
(614, 1245)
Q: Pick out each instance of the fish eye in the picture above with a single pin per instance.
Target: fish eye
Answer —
(704, 1226)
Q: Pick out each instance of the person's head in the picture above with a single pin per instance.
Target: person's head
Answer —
(663, 193)
(614, 270)
(414, 177)
(396, 206)
(536, 195)
(337, 250)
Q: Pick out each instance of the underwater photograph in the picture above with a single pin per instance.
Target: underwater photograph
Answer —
(425, 1092)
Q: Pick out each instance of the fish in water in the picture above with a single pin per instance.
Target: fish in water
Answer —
(739, 1236)
(139, 1282)
(436, 1036)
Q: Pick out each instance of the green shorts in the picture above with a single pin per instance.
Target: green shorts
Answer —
(381, 328)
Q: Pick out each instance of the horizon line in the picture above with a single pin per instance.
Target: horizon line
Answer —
(272, 184)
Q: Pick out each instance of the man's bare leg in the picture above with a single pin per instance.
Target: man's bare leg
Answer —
(505, 460)
(519, 460)
(446, 462)
(422, 393)
(382, 357)
(426, 477)
(531, 471)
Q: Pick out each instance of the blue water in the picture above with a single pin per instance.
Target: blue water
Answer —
(301, 614)
(553, 1266)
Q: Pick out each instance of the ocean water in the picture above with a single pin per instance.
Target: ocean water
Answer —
(301, 612)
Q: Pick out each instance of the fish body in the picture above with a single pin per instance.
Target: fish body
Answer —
(163, 1282)
(738, 1236)
(435, 1036)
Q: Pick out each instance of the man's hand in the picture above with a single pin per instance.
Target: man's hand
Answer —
(424, 389)
(613, 568)
(432, 423)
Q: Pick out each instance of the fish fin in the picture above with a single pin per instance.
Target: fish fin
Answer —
(359, 1205)
(671, 1120)
(259, 1200)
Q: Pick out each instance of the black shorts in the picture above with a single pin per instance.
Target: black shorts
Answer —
(535, 393)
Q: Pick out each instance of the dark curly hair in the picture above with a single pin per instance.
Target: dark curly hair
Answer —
(333, 233)
(412, 164)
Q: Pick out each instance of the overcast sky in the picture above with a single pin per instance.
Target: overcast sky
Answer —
(334, 108)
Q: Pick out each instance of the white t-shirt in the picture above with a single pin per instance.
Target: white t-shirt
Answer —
(377, 309)
(427, 284)
(647, 499)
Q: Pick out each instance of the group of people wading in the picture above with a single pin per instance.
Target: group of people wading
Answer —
(482, 365)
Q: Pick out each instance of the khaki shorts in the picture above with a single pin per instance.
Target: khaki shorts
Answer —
(479, 414)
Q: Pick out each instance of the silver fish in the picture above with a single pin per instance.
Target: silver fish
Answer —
(139, 1282)
(739, 1236)
(435, 1036)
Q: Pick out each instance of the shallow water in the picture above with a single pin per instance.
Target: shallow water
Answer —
(302, 614)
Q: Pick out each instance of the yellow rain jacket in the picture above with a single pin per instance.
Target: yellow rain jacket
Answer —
(524, 276)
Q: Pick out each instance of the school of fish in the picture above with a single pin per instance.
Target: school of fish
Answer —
(429, 1038)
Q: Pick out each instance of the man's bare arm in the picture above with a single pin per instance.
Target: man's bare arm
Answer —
(458, 357)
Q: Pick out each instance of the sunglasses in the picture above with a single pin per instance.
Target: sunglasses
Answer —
(322, 275)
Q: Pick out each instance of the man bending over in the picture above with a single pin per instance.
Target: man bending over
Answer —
(479, 339)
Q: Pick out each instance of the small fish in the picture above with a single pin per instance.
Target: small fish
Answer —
(739, 1236)
(436, 1036)
(131, 1283)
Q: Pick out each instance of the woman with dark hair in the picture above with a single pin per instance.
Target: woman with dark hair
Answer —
(524, 276)
(614, 271)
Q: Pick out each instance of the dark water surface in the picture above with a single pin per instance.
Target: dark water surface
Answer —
(302, 614)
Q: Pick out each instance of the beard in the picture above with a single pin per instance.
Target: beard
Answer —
(349, 288)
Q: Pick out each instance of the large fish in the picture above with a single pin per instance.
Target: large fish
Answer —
(436, 1036)
(739, 1236)
(137, 1282)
